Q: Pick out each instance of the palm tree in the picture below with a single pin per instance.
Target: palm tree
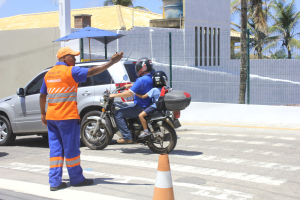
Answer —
(126, 3)
(258, 39)
(260, 33)
(286, 20)
(256, 10)
(259, 19)
(280, 54)
(243, 71)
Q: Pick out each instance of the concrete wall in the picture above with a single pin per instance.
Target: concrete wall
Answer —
(272, 82)
(286, 69)
(207, 13)
(23, 54)
(154, 43)
(274, 116)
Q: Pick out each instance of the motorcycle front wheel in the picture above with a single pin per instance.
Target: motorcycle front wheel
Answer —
(97, 141)
(164, 139)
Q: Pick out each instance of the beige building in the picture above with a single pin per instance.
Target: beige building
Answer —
(26, 40)
(108, 17)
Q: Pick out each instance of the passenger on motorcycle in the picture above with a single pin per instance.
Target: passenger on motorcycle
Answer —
(160, 80)
(142, 85)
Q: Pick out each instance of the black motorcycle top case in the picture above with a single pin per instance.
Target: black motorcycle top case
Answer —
(177, 100)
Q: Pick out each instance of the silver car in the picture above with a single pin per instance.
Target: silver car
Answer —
(20, 114)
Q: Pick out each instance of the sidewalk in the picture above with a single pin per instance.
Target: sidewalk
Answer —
(200, 126)
(243, 116)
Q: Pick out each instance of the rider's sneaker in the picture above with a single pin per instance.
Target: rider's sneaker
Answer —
(122, 141)
(144, 134)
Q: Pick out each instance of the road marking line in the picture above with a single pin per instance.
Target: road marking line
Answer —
(186, 168)
(43, 191)
(237, 161)
(237, 135)
(203, 190)
(207, 191)
(254, 151)
(239, 126)
(238, 141)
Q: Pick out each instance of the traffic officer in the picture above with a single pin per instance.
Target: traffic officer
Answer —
(62, 119)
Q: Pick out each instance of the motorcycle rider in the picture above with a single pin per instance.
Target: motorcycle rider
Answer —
(160, 80)
(142, 85)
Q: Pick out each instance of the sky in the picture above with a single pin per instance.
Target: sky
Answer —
(16, 7)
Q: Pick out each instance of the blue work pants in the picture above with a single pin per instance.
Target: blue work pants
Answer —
(64, 142)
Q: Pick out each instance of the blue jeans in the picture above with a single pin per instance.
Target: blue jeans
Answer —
(132, 111)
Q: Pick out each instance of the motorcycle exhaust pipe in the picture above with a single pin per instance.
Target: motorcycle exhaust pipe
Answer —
(150, 127)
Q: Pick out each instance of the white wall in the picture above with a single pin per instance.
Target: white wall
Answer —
(207, 13)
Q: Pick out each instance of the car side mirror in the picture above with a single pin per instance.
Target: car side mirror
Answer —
(125, 77)
(21, 92)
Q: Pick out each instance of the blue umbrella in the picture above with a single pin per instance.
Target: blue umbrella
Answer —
(88, 32)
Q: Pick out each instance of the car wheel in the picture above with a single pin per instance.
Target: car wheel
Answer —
(7, 137)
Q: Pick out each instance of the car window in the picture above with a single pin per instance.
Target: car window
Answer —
(103, 78)
(87, 83)
(35, 85)
(130, 68)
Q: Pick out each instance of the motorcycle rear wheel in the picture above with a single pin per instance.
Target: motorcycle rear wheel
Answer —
(102, 138)
(169, 135)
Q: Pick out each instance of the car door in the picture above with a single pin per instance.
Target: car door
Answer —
(102, 82)
(85, 94)
(27, 109)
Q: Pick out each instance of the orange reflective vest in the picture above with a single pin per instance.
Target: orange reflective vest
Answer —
(62, 93)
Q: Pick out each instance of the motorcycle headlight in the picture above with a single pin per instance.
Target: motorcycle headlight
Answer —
(102, 101)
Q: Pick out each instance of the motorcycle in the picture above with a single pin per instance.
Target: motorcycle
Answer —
(97, 132)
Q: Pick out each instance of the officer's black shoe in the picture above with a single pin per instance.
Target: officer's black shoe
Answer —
(61, 186)
(86, 182)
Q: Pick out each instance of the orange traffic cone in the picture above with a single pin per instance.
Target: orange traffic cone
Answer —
(163, 185)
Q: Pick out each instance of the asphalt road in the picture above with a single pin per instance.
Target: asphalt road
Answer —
(209, 162)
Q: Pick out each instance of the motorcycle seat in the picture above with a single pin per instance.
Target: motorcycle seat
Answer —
(156, 116)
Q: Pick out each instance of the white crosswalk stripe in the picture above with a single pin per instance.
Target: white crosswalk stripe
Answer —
(187, 168)
(237, 135)
(43, 191)
(236, 161)
(202, 190)
(249, 151)
(239, 141)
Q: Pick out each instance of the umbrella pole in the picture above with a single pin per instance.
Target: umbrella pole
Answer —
(105, 48)
(90, 49)
(81, 50)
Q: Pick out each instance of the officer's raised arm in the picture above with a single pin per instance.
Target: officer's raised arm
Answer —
(101, 68)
